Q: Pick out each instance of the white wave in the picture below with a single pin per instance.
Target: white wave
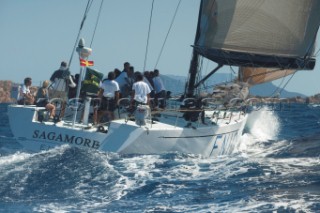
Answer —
(250, 147)
(14, 158)
(22, 160)
(254, 205)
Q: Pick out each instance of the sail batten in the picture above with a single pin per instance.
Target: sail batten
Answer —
(259, 33)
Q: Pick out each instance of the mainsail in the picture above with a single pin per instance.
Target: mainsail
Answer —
(259, 33)
(266, 39)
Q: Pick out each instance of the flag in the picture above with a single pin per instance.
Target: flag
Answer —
(91, 81)
(85, 63)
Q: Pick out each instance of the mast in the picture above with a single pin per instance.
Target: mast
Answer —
(193, 70)
(84, 53)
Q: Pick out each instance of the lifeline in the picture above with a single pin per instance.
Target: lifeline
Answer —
(52, 136)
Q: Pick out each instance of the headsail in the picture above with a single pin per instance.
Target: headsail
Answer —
(255, 75)
(259, 33)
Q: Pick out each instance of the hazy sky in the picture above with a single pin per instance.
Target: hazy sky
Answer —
(36, 35)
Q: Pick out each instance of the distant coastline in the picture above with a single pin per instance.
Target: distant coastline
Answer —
(6, 88)
(5, 91)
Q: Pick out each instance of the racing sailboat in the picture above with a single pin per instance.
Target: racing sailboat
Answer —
(252, 35)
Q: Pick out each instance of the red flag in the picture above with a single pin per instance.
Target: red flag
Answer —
(85, 63)
(89, 63)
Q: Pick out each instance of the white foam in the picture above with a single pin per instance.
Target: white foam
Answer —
(14, 158)
(263, 124)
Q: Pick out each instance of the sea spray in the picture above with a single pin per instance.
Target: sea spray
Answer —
(263, 124)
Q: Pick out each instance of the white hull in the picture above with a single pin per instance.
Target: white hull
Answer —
(169, 134)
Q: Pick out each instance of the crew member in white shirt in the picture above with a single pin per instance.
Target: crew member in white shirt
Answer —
(109, 94)
(140, 91)
(25, 96)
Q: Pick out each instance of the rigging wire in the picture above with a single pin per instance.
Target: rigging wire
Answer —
(317, 52)
(280, 88)
(81, 26)
(287, 82)
(199, 76)
(206, 69)
(67, 73)
(165, 40)
(232, 70)
(147, 45)
(97, 21)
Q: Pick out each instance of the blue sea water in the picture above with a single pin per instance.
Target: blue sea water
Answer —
(275, 168)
